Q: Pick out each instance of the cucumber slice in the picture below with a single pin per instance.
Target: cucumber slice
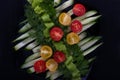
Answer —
(64, 5)
(25, 35)
(82, 35)
(30, 64)
(57, 2)
(55, 75)
(31, 70)
(36, 49)
(32, 57)
(23, 43)
(87, 26)
(90, 43)
(70, 12)
(26, 27)
(84, 41)
(90, 19)
(86, 15)
(31, 45)
(91, 49)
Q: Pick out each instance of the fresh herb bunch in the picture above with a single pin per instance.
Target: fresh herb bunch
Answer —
(58, 41)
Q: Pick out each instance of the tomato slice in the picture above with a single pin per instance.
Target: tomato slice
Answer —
(56, 33)
(40, 66)
(46, 52)
(65, 19)
(72, 38)
(52, 65)
(59, 56)
(76, 26)
(79, 9)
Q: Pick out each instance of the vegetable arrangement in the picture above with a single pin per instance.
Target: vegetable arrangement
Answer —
(59, 42)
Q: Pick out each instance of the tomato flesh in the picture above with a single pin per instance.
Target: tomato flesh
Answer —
(40, 66)
(59, 56)
(56, 33)
(76, 26)
(79, 10)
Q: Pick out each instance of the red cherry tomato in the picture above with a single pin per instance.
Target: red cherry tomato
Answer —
(79, 10)
(56, 33)
(40, 66)
(59, 56)
(76, 26)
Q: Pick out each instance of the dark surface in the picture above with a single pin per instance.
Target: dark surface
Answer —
(107, 64)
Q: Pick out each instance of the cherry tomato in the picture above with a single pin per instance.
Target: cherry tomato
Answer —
(76, 26)
(79, 9)
(56, 33)
(46, 52)
(52, 65)
(72, 38)
(59, 56)
(65, 19)
(40, 66)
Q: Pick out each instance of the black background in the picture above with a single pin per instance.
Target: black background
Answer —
(105, 67)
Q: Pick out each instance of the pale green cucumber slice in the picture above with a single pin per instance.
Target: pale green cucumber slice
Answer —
(86, 15)
(90, 43)
(31, 45)
(23, 43)
(26, 27)
(31, 63)
(64, 5)
(90, 19)
(84, 41)
(91, 49)
(32, 57)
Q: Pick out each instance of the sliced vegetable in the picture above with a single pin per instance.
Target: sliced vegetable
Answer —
(36, 49)
(90, 19)
(52, 65)
(31, 70)
(76, 26)
(87, 26)
(59, 56)
(57, 2)
(26, 27)
(86, 15)
(82, 35)
(90, 43)
(31, 45)
(32, 57)
(25, 35)
(64, 5)
(46, 51)
(79, 9)
(56, 33)
(31, 63)
(72, 38)
(40, 66)
(65, 19)
(23, 43)
(91, 49)
(84, 41)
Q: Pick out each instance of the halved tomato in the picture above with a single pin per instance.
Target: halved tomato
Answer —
(79, 9)
(65, 19)
(56, 33)
(39, 66)
(59, 56)
(52, 65)
(46, 52)
(72, 38)
(76, 26)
